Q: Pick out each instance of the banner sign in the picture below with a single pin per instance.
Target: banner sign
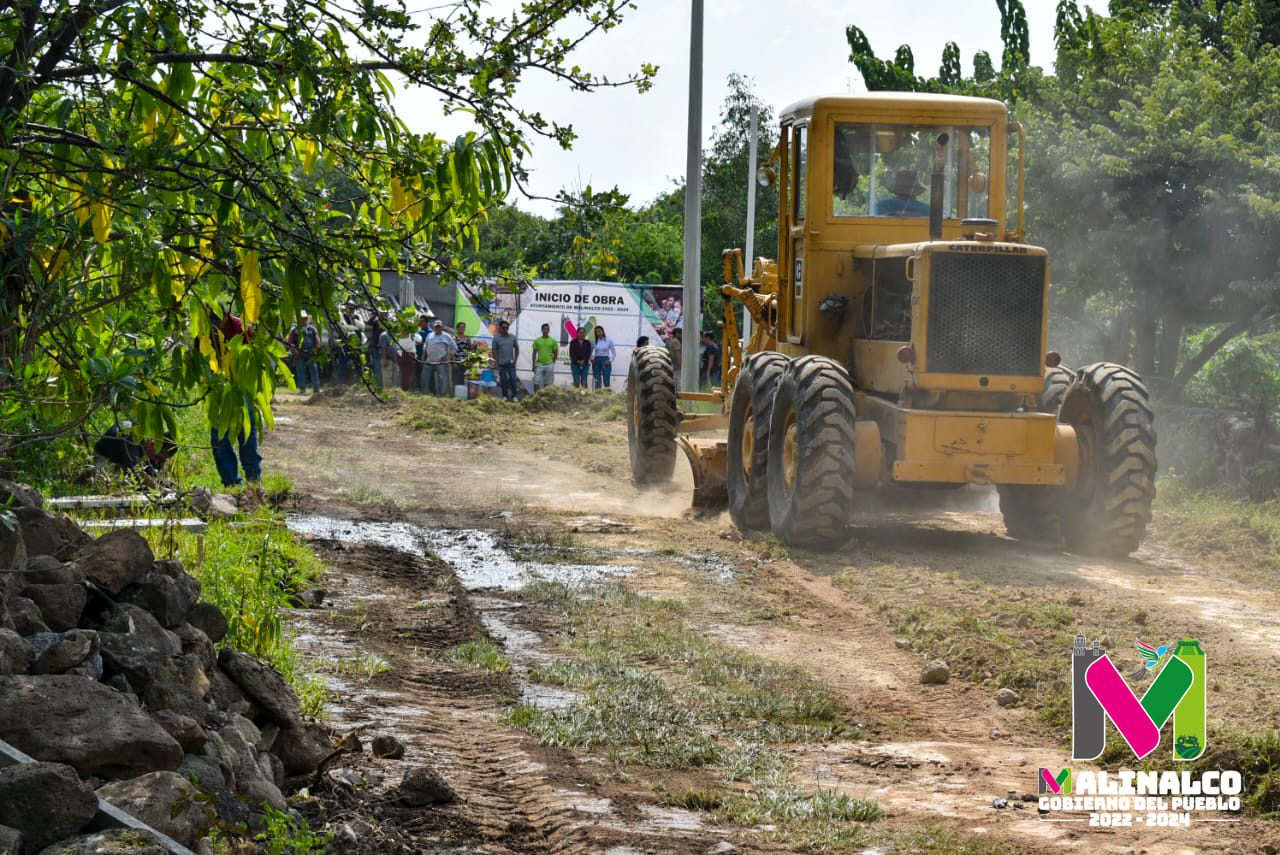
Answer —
(625, 312)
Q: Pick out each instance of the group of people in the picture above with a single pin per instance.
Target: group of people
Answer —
(587, 357)
(708, 357)
(440, 360)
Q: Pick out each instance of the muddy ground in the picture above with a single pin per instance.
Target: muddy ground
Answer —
(915, 579)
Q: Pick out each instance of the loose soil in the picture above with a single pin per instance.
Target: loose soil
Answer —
(927, 754)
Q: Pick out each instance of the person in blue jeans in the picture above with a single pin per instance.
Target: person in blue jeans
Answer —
(580, 358)
(506, 350)
(373, 345)
(224, 456)
(602, 362)
(308, 343)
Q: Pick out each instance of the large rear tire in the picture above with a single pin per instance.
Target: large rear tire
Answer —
(749, 415)
(811, 454)
(1031, 513)
(1107, 510)
(652, 416)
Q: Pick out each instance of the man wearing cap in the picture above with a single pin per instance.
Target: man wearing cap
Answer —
(505, 351)
(440, 352)
(307, 344)
(905, 186)
(344, 343)
(419, 346)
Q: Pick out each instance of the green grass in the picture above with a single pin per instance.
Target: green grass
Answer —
(486, 419)
(249, 568)
(658, 693)
(987, 638)
(283, 834)
(1247, 532)
(481, 654)
(489, 419)
(545, 546)
(366, 665)
(930, 838)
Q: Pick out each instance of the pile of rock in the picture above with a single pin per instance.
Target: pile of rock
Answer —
(109, 676)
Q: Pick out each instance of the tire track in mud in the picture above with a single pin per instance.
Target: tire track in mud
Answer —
(514, 796)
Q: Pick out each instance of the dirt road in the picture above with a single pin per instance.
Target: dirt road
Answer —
(915, 584)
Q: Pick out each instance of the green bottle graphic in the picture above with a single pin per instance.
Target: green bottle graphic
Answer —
(1189, 716)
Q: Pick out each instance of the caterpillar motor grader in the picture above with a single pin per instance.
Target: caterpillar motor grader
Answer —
(900, 340)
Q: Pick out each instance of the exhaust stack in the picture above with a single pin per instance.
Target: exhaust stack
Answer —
(937, 187)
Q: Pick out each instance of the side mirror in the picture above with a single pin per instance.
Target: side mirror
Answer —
(766, 176)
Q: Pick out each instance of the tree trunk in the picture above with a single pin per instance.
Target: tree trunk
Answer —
(1170, 347)
(1144, 334)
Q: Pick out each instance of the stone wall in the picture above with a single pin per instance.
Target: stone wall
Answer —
(111, 677)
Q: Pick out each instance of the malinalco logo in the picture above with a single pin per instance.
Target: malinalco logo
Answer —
(1099, 692)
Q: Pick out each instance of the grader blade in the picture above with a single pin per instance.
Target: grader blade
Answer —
(708, 459)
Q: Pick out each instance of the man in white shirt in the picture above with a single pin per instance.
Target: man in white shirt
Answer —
(440, 351)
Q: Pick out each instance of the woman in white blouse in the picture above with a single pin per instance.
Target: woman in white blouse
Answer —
(602, 361)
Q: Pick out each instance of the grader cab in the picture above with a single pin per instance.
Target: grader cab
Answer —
(900, 338)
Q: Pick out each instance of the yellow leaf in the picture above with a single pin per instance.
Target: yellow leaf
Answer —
(250, 287)
(52, 262)
(148, 126)
(81, 208)
(101, 222)
(307, 149)
(206, 347)
(399, 199)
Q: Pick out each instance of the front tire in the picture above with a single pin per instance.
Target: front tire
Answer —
(811, 454)
(1107, 510)
(1032, 513)
(749, 415)
(652, 416)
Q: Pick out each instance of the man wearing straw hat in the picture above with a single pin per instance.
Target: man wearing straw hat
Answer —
(905, 186)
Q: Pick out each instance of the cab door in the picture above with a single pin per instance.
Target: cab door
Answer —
(795, 228)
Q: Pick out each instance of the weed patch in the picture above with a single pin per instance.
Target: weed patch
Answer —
(656, 692)
(366, 666)
(250, 569)
(571, 401)
(985, 637)
(1248, 533)
(482, 654)
(544, 546)
(485, 419)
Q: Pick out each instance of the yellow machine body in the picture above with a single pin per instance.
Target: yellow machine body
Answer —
(944, 338)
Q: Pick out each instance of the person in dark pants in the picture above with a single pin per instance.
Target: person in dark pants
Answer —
(506, 350)
(224, 456)
(308, 344)
(373, 346)
(602, 362)
(580, 351)
(463, 342)
(423, 378)
(710, 374)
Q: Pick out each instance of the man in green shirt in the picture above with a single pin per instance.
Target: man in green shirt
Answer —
(545, 351)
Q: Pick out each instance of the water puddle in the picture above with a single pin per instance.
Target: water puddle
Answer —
(665, 819)
(477, 557)
(481, 563)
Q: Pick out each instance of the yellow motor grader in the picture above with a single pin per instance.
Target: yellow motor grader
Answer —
(900, 338)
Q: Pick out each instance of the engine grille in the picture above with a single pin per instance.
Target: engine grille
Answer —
(985, 313)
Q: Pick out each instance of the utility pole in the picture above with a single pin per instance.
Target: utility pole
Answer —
(749, 260)
(693, 212)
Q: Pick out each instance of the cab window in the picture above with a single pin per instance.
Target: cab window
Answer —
(801, 149)
(884, 170)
